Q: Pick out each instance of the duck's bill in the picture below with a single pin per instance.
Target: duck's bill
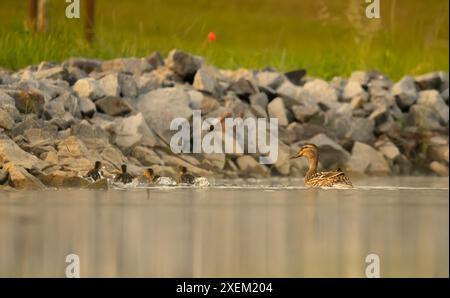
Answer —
(293, 157)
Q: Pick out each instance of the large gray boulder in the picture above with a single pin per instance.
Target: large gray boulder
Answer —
(184, 64)
(277, 109)
(113, 106)
(6, 121)
(367, 160)
(423, 118)
(127, 65)
(90, 88)
(160, 107)
(110, 84)
(322, 93)
(405, 92)
(433, 100)
(133, 130)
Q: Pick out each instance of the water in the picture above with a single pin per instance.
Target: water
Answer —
(271, 228)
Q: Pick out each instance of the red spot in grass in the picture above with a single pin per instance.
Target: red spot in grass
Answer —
(211, 36)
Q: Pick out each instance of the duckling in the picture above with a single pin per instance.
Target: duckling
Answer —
(149, 176)
(95, 173)
(186, 177)
(323, 179)
(124, 177)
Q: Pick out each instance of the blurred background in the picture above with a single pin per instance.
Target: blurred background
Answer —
(328, 37)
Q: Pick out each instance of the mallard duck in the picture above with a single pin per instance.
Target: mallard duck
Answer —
(186, 177)
(150, 177)
(323, 179)
(96, 173)
(124, 177)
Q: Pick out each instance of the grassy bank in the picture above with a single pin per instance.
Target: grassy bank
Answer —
(327, 37)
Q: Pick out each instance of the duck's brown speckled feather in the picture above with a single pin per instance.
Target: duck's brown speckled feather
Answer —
(328, 179)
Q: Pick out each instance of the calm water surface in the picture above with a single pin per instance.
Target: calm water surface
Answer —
(270, 228)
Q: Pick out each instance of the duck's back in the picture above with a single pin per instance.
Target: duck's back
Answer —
(329, 179)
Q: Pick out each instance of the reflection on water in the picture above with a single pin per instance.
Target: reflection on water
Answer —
(230, 232)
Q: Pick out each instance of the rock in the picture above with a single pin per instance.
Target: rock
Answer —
(128, 86)
(146, 156)
(87, 107)
(332, 155)
(53, 73)
(269, 79)
(214, 161)
(287, 89)
(250, 167)
(282, 164)
(433, 100)
(101, 184)
(29, 102)
(6, 121)
(110, 84)
(361, 130)
(203, 102)
(387, 148)
(405, 92)
(354, 91)
(259, 99)
(184, 64)
(72, 147)
(439, 168)
(444, 95)
(21, 179)
(5, 99)
(4, 176)
(293, 133)
(360, 77)
(296, 76)
(438, 151)
(64, 179)
(127, 65)
(113, 106)
(155, 60)
(205, 81)
(276, 109)
(133, 130)
(304, 113)
(10, 152)
(85, 64)
(58, 107)
(423, 117)
(243, 88)
(161, 106)
(321, 92)
(367, 160)
(89, 88)
(147, 83)
(429, 81)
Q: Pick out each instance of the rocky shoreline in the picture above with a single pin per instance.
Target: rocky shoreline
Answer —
(56, 120)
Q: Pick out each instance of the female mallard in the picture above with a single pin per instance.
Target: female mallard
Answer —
(323, 179)
(96, 173)
(124, 177)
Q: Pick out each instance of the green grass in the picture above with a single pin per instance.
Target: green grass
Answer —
(328, 37)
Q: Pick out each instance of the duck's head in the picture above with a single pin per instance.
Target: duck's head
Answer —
(98, 165)
(149, 173)
(183, 170)
(124, 168)
(308, 150)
